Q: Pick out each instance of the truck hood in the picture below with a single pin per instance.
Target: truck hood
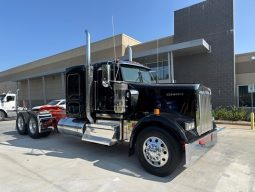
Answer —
(180, 98)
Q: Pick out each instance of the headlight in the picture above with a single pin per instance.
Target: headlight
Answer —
(189, 126)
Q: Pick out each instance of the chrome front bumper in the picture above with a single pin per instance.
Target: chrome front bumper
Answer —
(196, 149)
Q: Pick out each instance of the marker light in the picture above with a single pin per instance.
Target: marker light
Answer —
(156, 111)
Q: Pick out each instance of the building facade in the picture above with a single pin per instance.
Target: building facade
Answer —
(245, 75)
(200, 51)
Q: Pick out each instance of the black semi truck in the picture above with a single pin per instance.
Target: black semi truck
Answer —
(118, 101)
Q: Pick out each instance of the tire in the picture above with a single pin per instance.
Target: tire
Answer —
(21, 124)
(158, 151)
(32, 127)
(2, 115)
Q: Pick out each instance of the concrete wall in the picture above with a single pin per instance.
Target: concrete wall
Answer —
(23, 93)
(36, 91)
(245, 63)
(245, 78)
(100, 51)
(54, 89)
(153, 44)
(8, 86)
(213, 21)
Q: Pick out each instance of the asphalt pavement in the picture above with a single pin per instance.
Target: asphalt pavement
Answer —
(65, 163)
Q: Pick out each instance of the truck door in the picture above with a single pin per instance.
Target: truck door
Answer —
(105, 95)
(10, 103)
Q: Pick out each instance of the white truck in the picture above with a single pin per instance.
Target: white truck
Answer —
(8, 107)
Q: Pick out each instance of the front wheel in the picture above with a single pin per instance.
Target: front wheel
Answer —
(158, 151)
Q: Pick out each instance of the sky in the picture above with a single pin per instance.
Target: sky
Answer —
(31, 30)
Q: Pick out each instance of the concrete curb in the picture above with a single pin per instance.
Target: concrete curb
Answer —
(232, 122)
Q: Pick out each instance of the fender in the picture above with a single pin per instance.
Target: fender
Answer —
(164, 120)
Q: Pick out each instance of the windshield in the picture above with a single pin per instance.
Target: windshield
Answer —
(54, 102)
(2, 97)
(135, 74)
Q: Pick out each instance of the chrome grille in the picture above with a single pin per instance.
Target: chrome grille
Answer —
(204, 111)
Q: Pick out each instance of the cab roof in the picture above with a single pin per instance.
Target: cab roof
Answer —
(130, 63)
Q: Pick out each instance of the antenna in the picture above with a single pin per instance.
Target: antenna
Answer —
(114, 47)
(157, 63)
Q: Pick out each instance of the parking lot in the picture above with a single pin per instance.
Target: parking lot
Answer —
(65, 163)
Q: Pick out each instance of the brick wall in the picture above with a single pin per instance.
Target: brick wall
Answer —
(213, 21)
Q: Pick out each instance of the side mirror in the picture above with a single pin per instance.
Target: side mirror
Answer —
(106, 75)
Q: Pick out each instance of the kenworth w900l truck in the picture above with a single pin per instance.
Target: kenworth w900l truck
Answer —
(117, 101)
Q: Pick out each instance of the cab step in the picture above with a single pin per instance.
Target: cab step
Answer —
(103, 132)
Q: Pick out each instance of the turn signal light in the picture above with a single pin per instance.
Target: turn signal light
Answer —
(156, 111)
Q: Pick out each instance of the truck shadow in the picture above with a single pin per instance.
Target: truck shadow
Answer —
(113, 158)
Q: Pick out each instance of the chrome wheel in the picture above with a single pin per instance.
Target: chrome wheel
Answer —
(32, 126)
(155, 151)
(20, 123)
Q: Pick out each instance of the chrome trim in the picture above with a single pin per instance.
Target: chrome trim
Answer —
(109, 116)
(103, 132)
(196, 149)
(42, 116)
(134, 92)
(155, 152)
(204, 111)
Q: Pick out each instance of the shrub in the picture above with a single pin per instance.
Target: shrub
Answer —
(231, 113)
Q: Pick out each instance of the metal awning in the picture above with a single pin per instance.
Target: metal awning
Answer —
(197, 46)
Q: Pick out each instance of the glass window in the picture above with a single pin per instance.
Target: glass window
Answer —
(62, 103)
(161, 69)
(245, 97)
(135, 74)
(10, 98)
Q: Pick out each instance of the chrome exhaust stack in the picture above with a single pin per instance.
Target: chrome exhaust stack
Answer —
(130, 53)
(74, 126)
(89, 78)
